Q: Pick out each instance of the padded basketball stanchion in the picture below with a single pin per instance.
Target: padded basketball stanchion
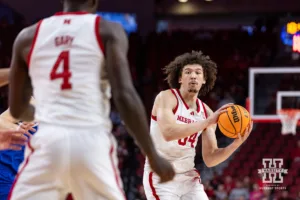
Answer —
(289, 120)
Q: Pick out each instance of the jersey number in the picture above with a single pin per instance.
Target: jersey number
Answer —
(191, 139)
(64, 58)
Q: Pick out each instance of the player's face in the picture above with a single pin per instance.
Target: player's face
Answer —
(192, 78)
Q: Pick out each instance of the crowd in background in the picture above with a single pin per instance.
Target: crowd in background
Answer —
(233, 50)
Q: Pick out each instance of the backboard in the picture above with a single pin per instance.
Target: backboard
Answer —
(271, 90)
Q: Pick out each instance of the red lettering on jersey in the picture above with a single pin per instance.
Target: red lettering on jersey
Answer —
(64, 40)
(184, 119)
(192, 113)
(180, 118)
(191, 139)
(67, 21)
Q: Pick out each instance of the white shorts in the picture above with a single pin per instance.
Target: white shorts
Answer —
(185, 186)
(62, 159)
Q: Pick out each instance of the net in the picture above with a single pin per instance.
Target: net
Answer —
(289, 120)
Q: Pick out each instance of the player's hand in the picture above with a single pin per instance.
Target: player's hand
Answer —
(240, 140)
(213, 118)
(27, 126)
(162, 168)
(12, 139)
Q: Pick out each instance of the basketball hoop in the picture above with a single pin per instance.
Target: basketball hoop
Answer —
(289, 119)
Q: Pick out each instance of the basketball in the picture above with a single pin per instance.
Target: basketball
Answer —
(234, 121)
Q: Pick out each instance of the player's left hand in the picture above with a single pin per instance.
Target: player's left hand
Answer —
(240, 140)
(12, 139)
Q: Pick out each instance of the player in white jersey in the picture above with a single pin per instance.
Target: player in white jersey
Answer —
(178, 118)
(71, 61)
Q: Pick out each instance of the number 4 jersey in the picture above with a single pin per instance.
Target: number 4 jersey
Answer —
(66, 66)
(181, 153)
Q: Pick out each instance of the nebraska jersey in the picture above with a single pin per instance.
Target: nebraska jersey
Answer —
(66, 66)
(181, 153)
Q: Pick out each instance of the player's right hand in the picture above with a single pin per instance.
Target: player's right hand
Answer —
(162, 168)
(214, 117)
(12, 139)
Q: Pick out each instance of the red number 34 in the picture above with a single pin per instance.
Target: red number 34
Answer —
(191, 139)
(64, 58)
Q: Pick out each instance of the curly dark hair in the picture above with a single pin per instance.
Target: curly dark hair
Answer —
(174, 70)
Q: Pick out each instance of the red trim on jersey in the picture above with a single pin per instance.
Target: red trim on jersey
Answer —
(115, 170)
(21, 171)
(71, 13)
(154, 117)
(187, 107)
(152, 186)
(204, 109)
(176, 108)
(97, 33)
(33, 42)
(198, 105)
(199, 175)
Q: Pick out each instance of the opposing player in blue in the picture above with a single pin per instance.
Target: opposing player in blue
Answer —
(13, 136)
(11, 159)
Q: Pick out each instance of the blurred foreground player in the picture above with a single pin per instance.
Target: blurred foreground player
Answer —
(72, 61)
(178, 118)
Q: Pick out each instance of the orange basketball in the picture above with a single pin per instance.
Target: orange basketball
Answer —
(234, 121)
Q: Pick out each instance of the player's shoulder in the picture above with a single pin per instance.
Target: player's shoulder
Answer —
(110, 29)
(25, 36)
(167, 95)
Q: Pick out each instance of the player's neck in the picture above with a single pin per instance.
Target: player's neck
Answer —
(188, 97)
(75, 8)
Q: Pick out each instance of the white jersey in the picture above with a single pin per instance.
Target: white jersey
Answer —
(181, 153)
(66, 66)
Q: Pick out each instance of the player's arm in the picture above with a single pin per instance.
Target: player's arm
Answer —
(124, 94)
(165, 103)
(4, 73)
(212, 155)
(20, 88)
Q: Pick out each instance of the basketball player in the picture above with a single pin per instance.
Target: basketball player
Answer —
(11, 159)
(178, 118)
(10, 137)
(72, 60)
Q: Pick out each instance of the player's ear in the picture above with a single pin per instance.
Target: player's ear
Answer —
(180, 80)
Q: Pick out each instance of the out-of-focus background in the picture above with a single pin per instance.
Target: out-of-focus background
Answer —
(256, 44)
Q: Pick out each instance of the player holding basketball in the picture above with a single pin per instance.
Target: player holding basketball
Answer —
(72, 60)
(178, 118)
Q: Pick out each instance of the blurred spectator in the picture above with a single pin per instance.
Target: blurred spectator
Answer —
(285, 196)
(256, 194)
(227, 99)
(239, 192)
(209, 190)
(295, 154)
(229, 184)
(221, 193)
